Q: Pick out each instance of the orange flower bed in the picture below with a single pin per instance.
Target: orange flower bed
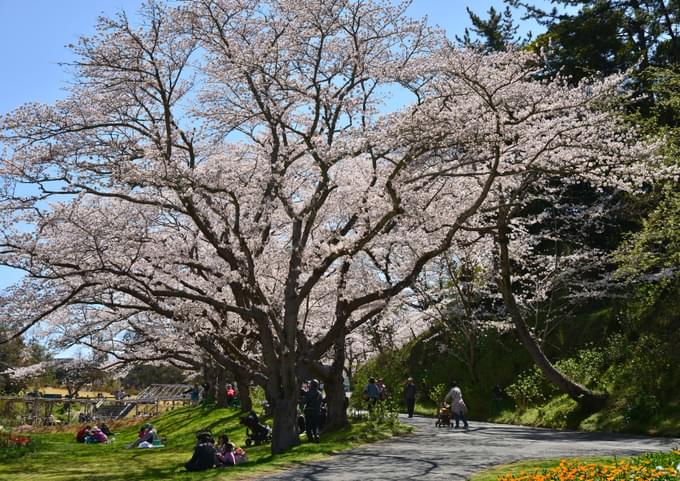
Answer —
(657, 466)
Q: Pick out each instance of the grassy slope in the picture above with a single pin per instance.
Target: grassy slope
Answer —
(60, 458)
(560, 412)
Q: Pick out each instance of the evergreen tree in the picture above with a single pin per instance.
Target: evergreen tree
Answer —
(606, 36)
(496, 33)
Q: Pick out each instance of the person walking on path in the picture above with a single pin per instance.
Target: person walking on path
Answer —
(312, 401)
(382, 389)
(410, 396)
(371, 392)
(458, 407)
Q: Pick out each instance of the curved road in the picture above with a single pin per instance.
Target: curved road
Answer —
(442, 454)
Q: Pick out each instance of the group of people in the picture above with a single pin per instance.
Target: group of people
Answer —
(147, 437)
(196, 392)
(208, 454)
(84, 418)
(375, 391)
(94, 434)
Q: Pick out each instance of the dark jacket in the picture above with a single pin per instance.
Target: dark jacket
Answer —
(410, 391)
(312, 400)
(81, 434)
(205, 457)
(372, 391)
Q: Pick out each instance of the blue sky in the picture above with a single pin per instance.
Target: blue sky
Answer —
(34, 33)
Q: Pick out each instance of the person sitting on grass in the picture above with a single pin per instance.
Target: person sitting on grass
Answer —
(228, 454)
(106, 429)
(222, 446)
(84, 432)
(98, 436)
(225, 453)
(240, 455)
(205, 454)
(148, 436)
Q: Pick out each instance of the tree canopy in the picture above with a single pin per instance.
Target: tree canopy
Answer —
(227, 172)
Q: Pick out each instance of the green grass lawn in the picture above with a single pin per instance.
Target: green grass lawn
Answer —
(425, 409)
(59, 458)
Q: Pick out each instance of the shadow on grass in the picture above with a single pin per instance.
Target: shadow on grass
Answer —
(60, 458)
(180, 426)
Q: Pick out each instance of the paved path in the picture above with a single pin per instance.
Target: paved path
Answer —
(442, 454)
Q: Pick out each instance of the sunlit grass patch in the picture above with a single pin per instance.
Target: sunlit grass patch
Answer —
(60, 458)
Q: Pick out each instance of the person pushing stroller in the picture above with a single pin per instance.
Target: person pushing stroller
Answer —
(458, 407)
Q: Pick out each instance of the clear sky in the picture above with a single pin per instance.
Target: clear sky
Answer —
(34, 35)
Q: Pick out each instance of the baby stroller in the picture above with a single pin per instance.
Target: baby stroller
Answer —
(256, 432)
(443, 416)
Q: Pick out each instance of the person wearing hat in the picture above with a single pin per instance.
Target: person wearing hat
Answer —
(312, 410)
(98, 435)
(205, 454)
(410, 390)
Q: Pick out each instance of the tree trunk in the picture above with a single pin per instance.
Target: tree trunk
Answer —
(282, 393)
(209, 377)
(285, 434)
(574, 390)
(221, 388)
(336, 417)
(243, 389)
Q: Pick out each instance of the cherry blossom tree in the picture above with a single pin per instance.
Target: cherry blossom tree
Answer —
(552, 264)
(73, 374)
(458, 297)
(229, 170)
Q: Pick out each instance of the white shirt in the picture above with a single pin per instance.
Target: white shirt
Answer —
(456, 397)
